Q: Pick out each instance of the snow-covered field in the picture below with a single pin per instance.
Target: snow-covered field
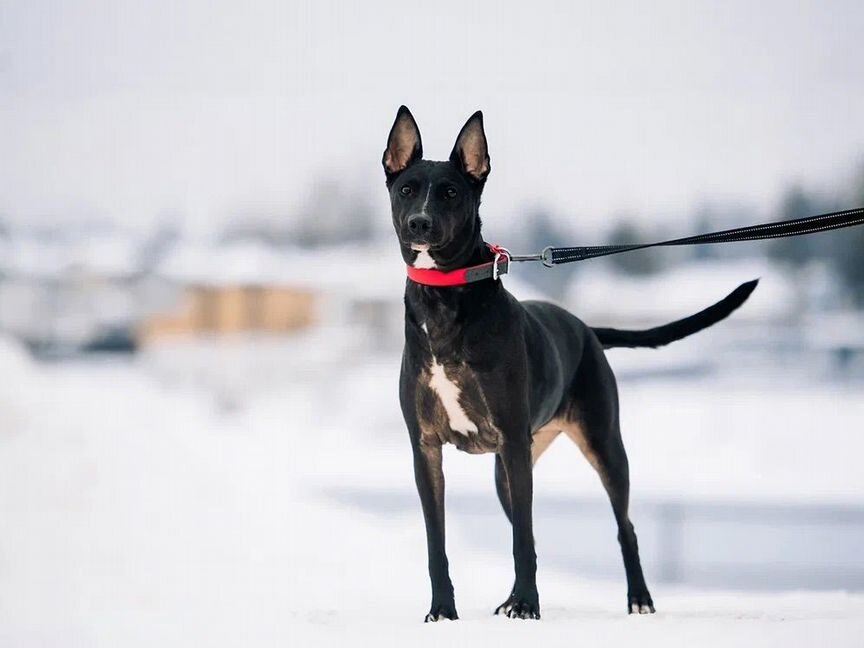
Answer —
(149, 504)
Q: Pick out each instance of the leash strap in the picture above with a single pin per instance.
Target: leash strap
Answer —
(795, 227)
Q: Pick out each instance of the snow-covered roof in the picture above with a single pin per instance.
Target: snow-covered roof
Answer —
(107, 254)
(366, 271)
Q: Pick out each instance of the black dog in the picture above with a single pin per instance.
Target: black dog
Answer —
(487, 373)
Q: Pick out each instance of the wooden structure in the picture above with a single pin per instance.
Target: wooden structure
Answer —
(225, 310)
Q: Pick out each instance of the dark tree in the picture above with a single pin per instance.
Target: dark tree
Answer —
(795, 250)
(334, 215)
(539, 229)
(849, 252)
(640, 262)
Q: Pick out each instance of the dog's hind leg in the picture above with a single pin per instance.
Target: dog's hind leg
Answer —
(614, 472)
(598, 435)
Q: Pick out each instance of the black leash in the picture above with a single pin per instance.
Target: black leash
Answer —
(552, 256)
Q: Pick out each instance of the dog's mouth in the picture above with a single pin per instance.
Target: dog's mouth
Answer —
(420, 247)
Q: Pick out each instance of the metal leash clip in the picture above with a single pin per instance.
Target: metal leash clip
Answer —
(545, 257)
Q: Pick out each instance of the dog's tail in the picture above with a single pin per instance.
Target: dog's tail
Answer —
(662, 335)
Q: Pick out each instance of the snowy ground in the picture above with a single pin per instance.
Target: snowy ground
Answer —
(142, 506)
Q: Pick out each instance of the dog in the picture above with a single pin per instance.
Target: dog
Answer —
(487, 373)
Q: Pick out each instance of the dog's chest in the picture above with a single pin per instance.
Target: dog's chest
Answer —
(452, 407)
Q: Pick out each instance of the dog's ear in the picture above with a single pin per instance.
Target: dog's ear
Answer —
(403, 145)
(470, 153)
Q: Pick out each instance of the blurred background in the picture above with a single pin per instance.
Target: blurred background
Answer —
(201, 301)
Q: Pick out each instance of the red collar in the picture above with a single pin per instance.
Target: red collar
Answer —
(463, 276)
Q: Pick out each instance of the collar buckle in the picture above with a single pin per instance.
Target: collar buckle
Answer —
(500, 252)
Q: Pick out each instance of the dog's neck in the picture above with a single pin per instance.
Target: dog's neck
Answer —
(440, 314)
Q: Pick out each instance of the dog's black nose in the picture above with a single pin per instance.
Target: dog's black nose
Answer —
(419, 224)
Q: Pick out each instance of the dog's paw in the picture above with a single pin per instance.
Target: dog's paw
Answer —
(519, 607)
(439, 612)
(640, 603)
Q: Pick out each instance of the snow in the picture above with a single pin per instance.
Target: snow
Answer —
(17, 380)
(139, 511)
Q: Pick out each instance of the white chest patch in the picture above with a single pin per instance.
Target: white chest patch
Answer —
(449, 392)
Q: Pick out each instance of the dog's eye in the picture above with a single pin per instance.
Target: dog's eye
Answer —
(406, 190)
(450, 192)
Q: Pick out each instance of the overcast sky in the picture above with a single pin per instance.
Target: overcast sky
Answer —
(208, 109)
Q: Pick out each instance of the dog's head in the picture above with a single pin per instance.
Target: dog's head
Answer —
(435, 203)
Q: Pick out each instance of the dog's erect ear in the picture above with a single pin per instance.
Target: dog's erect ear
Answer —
(470, 152)
(403, 145)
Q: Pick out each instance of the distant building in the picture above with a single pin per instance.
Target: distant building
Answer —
(230, 309)
(247, 287)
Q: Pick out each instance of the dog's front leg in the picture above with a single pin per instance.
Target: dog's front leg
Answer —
(429, 476)
(524, 601)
